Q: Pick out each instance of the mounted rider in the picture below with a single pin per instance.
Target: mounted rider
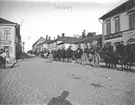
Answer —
(79, 52)
(86, 50)
(69, 53)
(92, 50)
(63, 51)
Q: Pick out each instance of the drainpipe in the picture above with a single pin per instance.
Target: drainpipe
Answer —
(102, 32)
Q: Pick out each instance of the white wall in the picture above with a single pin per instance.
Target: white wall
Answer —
(124, 23)
(45, 46)
(11, 38)
(112, 26)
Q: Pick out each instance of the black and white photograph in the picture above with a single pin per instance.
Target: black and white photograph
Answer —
(67, 52)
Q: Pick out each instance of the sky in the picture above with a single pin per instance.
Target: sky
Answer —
(39, 18)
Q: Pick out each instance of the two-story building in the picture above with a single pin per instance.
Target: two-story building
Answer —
(10, 38)
(37, 46)
(119, 24)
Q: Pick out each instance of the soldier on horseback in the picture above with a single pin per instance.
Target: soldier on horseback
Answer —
(69, 53)
(63, 52)
(79, 53)
(86, 50)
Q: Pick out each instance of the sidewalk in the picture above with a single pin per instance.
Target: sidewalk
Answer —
(12, 62)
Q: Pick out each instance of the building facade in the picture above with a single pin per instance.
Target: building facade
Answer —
(10, 38)
(52, 45)
(65, 42)
(38, 46)
(90, 41)
(119, 24)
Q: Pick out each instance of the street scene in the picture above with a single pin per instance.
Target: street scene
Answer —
(67, 52)
(35, 81)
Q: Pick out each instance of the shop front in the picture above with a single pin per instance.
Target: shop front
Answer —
(6, 45)
(129, 36)
(114, 39)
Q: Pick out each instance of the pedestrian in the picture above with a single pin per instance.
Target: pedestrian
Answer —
(60, 100)
(50, 56)
(1, 58)
(3, 55)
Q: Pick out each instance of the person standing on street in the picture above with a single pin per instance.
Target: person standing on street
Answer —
(3, 55)
(50, 56)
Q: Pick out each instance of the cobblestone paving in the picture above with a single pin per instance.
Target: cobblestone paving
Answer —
(36, 81)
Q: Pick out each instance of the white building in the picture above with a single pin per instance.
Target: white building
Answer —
(119, 24)
(65, 42)
(10, 38)
(38, 46)
(52, 45)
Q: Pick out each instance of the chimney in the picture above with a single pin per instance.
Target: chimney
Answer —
(63, 34)
(49, 38)
(53, 38)
(46, 37)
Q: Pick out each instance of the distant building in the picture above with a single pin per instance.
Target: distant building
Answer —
(52, 45)
(65, 42)
(89, 40)
(119, 24)
(37, 46)
(10, 38)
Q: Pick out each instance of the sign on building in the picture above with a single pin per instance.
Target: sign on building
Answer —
(128, 35)
(112, 36)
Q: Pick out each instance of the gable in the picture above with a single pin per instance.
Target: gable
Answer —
(39, 41)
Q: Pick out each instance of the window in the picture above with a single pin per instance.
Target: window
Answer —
(6, 34)
(117, 24)
(132, 21)
(108, 27)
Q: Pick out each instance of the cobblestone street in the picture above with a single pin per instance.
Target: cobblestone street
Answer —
(35, 81)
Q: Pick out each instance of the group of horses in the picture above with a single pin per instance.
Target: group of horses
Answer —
(65, 55)
(112, 58)
(125, 57)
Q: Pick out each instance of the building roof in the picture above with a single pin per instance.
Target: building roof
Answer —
(71, 40)
(121, 8)
(4, 21)
(89, 39)
(68, 39)
(45, 42)
(38, 40)
(51, 41)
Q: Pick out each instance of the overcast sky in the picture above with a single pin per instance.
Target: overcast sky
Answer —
(53, 17)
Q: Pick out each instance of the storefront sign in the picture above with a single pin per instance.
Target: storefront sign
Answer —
(112, 36)
(128, 35)
(5, 41)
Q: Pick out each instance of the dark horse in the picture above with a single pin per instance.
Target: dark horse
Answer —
(110, 58)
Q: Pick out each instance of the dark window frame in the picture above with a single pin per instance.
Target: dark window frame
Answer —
(108, 27)
(117, 24)
(132, 21)
(7, 33)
